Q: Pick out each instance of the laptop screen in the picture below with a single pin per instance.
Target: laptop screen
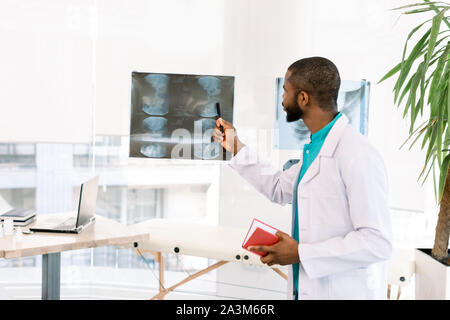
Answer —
(88, 200)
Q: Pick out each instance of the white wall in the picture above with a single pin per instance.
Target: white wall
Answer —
(46, 76)
(151, 36)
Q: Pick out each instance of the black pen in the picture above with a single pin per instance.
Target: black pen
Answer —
(219, 114)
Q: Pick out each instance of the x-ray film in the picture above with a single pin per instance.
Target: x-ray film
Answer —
(353, 101)
(173, 115)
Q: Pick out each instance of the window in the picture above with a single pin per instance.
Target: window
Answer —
(48, 177)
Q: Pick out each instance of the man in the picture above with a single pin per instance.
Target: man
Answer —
(341, 229)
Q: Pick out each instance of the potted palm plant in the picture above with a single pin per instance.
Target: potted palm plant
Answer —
(423, 82)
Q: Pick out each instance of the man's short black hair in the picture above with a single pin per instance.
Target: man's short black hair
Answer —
(319, 77)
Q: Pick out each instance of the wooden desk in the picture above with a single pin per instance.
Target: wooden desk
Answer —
(104, 232)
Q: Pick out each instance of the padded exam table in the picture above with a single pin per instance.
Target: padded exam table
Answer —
(213, 242)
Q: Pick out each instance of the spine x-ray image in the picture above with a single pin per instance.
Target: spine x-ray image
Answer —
(173, 115)
(353, 101)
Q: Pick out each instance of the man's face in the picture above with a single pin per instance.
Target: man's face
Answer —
(290, 103)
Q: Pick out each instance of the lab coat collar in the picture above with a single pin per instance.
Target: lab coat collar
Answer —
(328, 148)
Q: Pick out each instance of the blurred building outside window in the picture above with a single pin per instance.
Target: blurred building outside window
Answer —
(48, 177)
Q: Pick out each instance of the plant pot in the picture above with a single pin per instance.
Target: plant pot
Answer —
(432, 278)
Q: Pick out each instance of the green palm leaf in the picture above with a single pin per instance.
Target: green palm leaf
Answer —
(423, 79)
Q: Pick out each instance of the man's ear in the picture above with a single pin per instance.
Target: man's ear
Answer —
(302, 98)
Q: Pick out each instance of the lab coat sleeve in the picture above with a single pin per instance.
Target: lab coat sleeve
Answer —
(276, 185)
(370, 241)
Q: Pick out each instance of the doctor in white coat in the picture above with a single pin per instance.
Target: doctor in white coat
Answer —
(341, 229)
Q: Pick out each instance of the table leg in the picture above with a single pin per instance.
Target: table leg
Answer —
(51, 276)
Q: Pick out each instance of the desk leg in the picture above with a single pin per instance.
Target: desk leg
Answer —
(51, 276)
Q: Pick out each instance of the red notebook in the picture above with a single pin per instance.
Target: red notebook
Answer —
(260, 233)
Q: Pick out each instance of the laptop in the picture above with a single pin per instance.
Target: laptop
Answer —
(74, 224)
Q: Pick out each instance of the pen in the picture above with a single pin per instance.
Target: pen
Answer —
(219, 115)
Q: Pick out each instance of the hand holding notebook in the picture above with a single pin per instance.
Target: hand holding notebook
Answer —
(281, 248)
(260, 233)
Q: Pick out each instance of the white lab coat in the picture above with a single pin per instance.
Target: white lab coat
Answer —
(344, 221)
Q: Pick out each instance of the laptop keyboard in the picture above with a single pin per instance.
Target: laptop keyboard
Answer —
(69, 223)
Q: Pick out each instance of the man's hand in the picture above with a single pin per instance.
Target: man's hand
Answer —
(228, 139)
(284, 252)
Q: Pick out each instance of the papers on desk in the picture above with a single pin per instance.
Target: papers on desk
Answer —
(260, 233)
(21, 217)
